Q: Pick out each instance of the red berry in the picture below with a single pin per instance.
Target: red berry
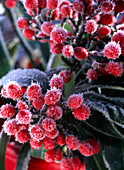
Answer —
(107, 19)
(33, 91)
(67, 164)
(66, 11)
(60, 140)
(119, 6)
(48, 143)
(80, 53)
(22, 105)
(53, 134)
(114, 68)
(24, 126)
(54, 112)
(47, 27)
(39, 102)
(28, 33)
(102, 71)
(82, 113)
(13, 90)
(35, 144)
(51, 155)
(37, 132)
(48, 124)
(112, 50)
(42, 3)
(7, 110)
(78, 6)
(58, 35)
(23, 89)
(68, 51)
(4, 92)
(91, 26)
(10, 3)
(72, 142)
(22, 23)
(119, 38)
(76, 162)
(86, 148)
(24, 117)
(103, 31)
(55, 14)
(52, 4)
(57, 48)
(30, 4)
(107, 7)
(59, 155)
(52, 97)
(65, 2)
(11, 127)
(56, 82)
(22, 136)
(66, 75)
(74, 101)
(94, 144)
(92, 74)
(88, 1)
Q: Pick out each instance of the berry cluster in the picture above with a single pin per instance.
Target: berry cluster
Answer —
(40, 119)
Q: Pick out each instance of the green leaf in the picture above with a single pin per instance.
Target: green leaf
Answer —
(25, 77)
(3, 144)
(38, 153)
(23, 157)
(58, 63)
(113, 152)
(4, 57)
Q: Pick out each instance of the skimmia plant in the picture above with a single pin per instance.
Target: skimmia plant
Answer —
(72, 114)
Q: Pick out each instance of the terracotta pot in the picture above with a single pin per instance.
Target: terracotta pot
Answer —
(34, 163)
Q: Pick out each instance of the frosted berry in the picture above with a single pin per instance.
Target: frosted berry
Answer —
(47, 27)
(7, 110)
(88, 1)
(24, 117)
(68, 51)
(112, 50)
(51, 155)
(60, 140)
(56, 82)
(102, 71)
(48, 143)
(10, 3)
(59, 155)
(30, 4)
(23, 89)
(48, 124)
(52, 97)
(86, 148)
(57, 48)
(13, 90)
(28, 33)
(107, 7)
(103, 31)
(58, 35)
(107, 19)
(22, 105)
(35, 144)
(66, 11)
(53, 134)
(33, 91)
(4, 92)
(66, 75)
(66, 2)
(42, 3)
(114, 68)
(52, 4)
(82, 113)
(24, 126)
(91, 26)
(80, 53)
(66, 164)
(76, 163)
(22, 23)
(119, 6)
(22, 136)
(78, 6)
(94, 144)
(55, 14)
(54, 112)
(119, 38)
(92, 74)
(72, 142)
(39, 102)
(11, 127)
(74, 101)
(37, 132)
